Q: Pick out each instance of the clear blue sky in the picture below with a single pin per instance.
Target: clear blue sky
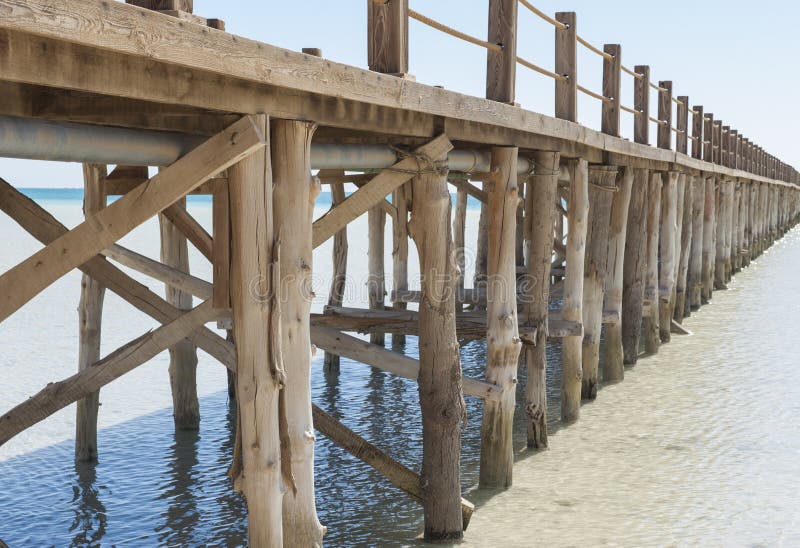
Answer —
(737, 58)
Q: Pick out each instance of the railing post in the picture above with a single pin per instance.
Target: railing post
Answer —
(682, 138)
(724, 146)
(665, 115)
(612, 74)
(717, 141)
(501, 67)
(708, 137)
(641, 104)
(567, 66)
(697, 132)
(388, 36)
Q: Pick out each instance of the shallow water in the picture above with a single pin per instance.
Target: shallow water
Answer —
(697, 446)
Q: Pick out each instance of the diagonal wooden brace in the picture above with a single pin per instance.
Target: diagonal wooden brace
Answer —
(23, 282)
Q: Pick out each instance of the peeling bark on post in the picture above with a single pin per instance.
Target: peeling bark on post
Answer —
(439, 380)
(695, 276)
(376, 283)
(257, 347)
(666, 273)
(502, 334)
(650, 323)
(183, 355)
(685, 248)
(572, 309)
(601, 184)
(540, 217)
(613, 357)
(339, 274)
(293, 198)
(90, 316)
(400, 252)
(635, 266)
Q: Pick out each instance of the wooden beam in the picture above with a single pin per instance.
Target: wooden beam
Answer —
(105, 227)
(191, 229)
(398, 475)
(377, 189)
(45, 228)
(221, 249)
(60, 394)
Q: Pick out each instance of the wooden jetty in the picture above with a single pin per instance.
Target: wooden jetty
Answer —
(627, 238)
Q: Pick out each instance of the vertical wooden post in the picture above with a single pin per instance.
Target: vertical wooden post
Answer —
(594, 268)
(666, 275)
(376, 282)
(257, 346)
(708, 137)
(613, 357)
(567, 65)
(540, 215)
(459, 235)
(400, 252)
(339, 274)
(665, 115)
(572, 309)
(709, 239)
(717, 141)
(441, 399)
(612, 74)
(650, 325)
(695, 277)
(293, 207)
(221, 251)
(183, 355)
(635, 266)
(388, 36)
(481, 252)
(687, 182)
(501, 66)
(682, 138)
(641, 104)
(90, 317)
(502, 335)
(697, 132)
(722, 226)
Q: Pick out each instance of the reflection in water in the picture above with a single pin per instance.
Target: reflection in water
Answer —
(181, 516)
(89, 523)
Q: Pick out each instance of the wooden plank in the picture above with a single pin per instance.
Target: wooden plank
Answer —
(387, 40)
(501, 66)
(181, 5)
(612, 75)
(376, 190)
(189, 227)
(45, 228)
(105, 227)
(353, 348)
(221, 249)
(567, 65)
(398, 475)
(58, 395)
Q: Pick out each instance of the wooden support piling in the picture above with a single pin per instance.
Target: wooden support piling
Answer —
(694, 281)
(339, 273)
(650, 323)
(709, 239)
(90, 316)
(667, 252)
(459, 239)
(635, 266)
(540, 218)
(572, 308)
(376, 282)
(685, 247)
(502, 335)
(613, 361)
(400, 250)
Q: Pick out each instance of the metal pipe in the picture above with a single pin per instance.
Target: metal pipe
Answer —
(35, 139)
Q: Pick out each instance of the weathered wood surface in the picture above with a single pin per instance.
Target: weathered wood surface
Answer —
(635, 267)
(260, 373)
(572, 310)
(388, 36)
(45, 228)
(191, 229)
(685, 248)
(566, 64)
(694, 281)
(376, 279)
(378, 188)
(501, 66)
(400, 250)
(398, 474)
(110, 224)
(339, 272)
(439, 381)
(613, 361)
(90, 379)
(667, 252)
(221, 251)
(539, 224)
(709, 239)
(294, 193)
(90, 316)
(502, 334)
(183, 354)
(650, 323)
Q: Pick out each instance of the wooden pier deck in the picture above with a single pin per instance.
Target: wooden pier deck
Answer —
(629, 238)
